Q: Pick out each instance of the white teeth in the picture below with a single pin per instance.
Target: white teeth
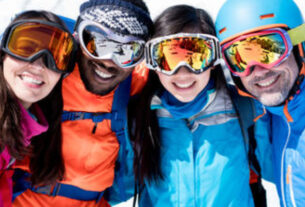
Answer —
(267, 83)
(102, 74)
(31, 80)
(185, 85)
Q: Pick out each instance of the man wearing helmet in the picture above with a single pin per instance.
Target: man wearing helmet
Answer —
(262, 46)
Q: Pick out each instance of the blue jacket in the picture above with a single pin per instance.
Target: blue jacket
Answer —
(204, 158)
(289, 151)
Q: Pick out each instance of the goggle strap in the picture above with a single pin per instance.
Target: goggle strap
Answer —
(297, 35)
(218, 61)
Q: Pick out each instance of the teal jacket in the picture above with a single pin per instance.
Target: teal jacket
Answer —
(204, 158)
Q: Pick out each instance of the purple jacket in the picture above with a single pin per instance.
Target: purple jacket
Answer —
(30, 129)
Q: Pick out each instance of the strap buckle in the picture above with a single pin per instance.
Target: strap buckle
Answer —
(46, 189)
(79, 115)
(98, 117)
(51, 190)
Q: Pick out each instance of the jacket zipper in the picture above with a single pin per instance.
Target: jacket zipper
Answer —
(195, 179)
(282, 165)
(289, 179)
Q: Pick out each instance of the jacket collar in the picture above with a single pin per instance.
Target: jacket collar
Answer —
(295, 106)
(30, 126)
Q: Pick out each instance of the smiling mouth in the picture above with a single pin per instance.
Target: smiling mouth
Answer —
(31, 80)
(103, 75)
(184, 85)
(268, 82)
(102, 72)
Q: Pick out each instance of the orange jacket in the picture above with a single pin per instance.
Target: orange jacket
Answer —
(89, 158)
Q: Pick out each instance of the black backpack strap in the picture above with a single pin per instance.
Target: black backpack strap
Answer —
(245, 109)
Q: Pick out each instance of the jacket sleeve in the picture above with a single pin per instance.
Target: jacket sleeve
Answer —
(263, 149)
(124, 182)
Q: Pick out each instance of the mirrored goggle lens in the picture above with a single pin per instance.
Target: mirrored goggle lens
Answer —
(198, 53)
(99, 46)
(262, 49)
(28, 39)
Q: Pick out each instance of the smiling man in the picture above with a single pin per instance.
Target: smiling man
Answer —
(111, 34)
(272, 86)
(262, 45)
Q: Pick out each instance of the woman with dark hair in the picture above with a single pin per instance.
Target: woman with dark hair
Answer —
(36, 50)
(186, 134)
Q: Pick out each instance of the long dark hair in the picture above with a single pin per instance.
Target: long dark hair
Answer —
(143, 124)
(46, 163)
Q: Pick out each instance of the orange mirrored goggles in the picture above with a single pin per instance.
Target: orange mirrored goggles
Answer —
(197, 52)
(28, 40)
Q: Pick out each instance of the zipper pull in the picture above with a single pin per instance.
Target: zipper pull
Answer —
(94, 128)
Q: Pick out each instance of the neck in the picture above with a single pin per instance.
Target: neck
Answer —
(25, 104)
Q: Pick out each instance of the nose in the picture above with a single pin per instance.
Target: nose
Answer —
(258, 70)
(182, 70)
(108, 63)
(38, 64)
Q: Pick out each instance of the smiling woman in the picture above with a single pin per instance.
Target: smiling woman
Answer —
(186, 118)
(31, 67)
(30, 82)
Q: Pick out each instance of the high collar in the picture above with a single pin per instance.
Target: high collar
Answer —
(30, 126)
(295, 106)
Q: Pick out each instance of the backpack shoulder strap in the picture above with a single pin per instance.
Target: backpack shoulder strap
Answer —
(118, 125)
(245, 109)
(119, 105)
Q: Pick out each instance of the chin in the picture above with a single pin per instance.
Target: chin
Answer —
(185, 99)
(272, 99)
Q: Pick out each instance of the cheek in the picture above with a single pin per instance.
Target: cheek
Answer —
(291, 67)
(245, 81)
(202, 79)
(205, 77)
(53, 77)
(11, 67)
(165, 80)
(126, 71)
(294, 73)
(7, 73)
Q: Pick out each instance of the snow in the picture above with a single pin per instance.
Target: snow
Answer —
(70, 8)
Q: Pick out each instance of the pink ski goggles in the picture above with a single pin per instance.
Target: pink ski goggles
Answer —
(267, 48)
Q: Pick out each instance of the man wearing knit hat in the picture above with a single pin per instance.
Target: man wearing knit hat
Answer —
(111, 34)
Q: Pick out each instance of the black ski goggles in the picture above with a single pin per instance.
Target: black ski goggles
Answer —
(28, 40)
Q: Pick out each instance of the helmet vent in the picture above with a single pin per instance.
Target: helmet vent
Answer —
(266, 16)
(222, 30)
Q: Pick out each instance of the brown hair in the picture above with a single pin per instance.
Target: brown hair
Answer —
(143, 123)
(46, 163)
